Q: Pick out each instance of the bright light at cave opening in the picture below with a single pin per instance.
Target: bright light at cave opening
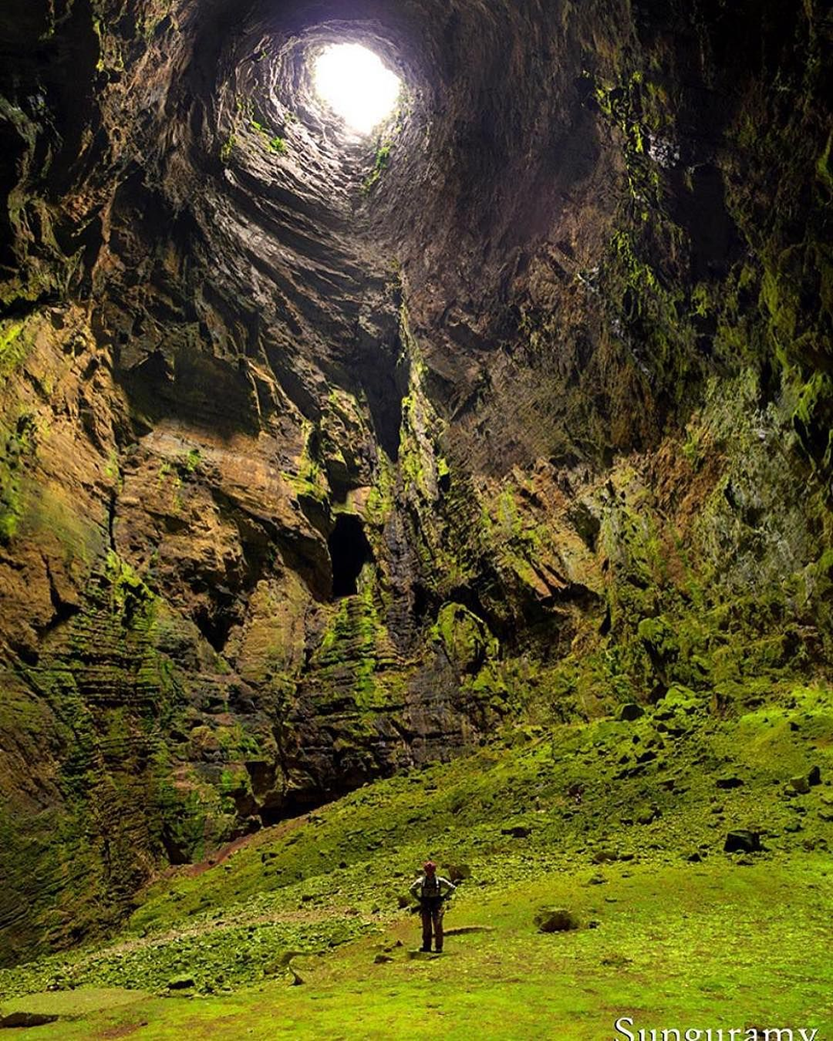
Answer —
(355, 84)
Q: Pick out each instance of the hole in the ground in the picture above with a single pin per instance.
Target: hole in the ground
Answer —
(349, 552)
(356, 85)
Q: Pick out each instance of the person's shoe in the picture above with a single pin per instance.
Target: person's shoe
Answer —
(439, 950)
(425, 950)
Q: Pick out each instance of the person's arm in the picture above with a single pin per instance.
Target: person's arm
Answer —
(415, 886)
(450, 887)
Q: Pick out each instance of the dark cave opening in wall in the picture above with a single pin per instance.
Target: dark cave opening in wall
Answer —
(349, 552)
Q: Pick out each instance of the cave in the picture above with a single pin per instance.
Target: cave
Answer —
(537, 353)
(349, 552)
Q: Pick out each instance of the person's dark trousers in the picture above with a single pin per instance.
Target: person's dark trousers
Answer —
(432, 916)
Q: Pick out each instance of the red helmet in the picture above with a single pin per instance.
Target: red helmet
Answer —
(429, 866)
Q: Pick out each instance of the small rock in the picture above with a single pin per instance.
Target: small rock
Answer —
(458, 872)
(800, 785)
(555, 920)
(628, 713)
(517, 831)
(814, 776)
(381, 959)
(742, 842)
(648, 816)
(596, 880)
(729, 782)
(694, 857)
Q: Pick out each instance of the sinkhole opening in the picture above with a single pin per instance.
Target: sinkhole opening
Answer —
(349, 552)
(356, 85)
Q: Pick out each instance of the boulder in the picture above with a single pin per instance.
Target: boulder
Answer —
(628, 713)
(800, 785)
(181, 983)
(555, 920)
(742, 842)
(26, 1019)
(814, 776)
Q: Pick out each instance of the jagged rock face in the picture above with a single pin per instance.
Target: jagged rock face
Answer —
(322, 454)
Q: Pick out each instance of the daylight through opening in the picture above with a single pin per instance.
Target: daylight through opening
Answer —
(356, 85)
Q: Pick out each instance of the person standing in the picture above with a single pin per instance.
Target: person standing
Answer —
(432, 890)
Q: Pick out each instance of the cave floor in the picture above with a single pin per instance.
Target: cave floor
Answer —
(712, 945)
(622, 823)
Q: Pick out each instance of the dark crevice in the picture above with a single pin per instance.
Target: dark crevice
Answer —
(349, 552)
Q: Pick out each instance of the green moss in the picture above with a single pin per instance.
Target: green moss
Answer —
(627, 802)
(380, 164)
(465, 637)
(13, 348)
(813, 419)
(193, 460)
(823, 170)
(16, 446)
(227, 149)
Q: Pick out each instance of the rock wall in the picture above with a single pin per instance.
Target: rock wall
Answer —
(320, 456)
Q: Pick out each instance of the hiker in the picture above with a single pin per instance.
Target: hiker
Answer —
(432, 890)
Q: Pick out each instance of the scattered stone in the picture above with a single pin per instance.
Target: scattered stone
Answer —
(742, 842)
(517, 831)
(181, 983)
(596, 880)
(694, 857)
(814, 776)
(730, 781)
(403, 901)
(801, 785)
(555, 920)
(594, 923)
(604, 856)
(648, 816)
(794, 826)
(381, 959)
(628, 713)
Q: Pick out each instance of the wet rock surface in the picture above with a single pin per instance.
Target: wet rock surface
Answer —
(313, 468)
